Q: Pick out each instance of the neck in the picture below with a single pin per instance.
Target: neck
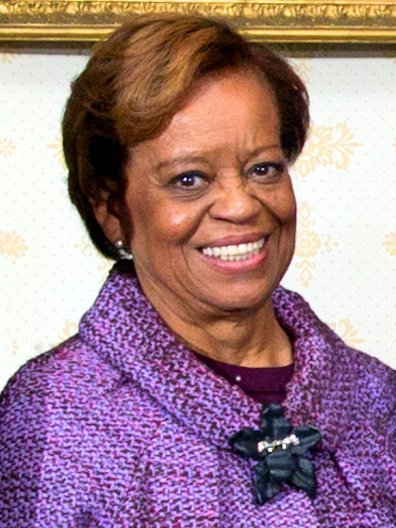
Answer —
(249, 340)
(252, 338)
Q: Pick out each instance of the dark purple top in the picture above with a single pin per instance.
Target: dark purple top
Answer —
(264, 385)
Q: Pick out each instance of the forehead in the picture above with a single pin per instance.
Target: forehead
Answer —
(233, 112)
(239, 95)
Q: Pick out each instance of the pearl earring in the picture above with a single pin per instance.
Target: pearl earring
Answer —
(122, 250)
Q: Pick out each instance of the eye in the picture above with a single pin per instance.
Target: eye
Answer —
(189, 180)
(266, 171)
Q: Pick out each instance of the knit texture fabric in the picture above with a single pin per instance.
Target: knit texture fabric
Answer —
(122, 426)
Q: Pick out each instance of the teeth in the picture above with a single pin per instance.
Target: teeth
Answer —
(234, 252)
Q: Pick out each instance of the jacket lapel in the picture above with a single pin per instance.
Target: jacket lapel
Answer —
(124, 328)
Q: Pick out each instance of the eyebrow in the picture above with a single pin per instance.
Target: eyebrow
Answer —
(191, 158)
(179, 160)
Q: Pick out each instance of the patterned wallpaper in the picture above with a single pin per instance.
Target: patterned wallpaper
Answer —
(345, 262)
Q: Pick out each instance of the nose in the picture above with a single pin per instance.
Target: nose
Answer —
(234, 201)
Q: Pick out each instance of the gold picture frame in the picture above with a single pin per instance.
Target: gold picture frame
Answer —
(300, 21)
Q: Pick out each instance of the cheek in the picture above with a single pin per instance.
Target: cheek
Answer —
(286, 206)
(178, 224)
(163, 222)
(290, 213)
(282, 207)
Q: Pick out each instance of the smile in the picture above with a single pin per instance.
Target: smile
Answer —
(234, 252)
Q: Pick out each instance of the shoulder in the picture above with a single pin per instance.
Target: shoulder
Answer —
(375, 399)
(357, 404)
(365, 372)
(366, 452)
(37, 427)
(46, 401)
(62, 417)
(345, 376)
(74, 395)
(374, 375)
(71, 383)
(373, 386)
(55, 378)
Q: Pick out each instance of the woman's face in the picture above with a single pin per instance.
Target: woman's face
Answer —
(209, 203)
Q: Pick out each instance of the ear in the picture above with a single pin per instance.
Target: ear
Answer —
(108, 221)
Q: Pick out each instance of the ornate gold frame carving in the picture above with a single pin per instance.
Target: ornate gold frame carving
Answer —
(300, 21)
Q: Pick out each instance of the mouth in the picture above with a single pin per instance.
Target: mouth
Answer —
(234, 252)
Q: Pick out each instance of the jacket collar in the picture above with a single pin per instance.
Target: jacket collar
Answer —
(124, 328)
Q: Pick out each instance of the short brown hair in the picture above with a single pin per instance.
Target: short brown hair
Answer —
(138, 79)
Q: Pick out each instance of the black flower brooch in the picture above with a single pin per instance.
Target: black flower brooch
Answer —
(280, 453)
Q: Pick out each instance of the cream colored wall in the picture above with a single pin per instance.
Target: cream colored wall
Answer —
(345, 181)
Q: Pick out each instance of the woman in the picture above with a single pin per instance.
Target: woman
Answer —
(178, 137)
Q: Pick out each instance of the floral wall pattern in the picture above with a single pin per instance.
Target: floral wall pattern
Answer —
(345, 261)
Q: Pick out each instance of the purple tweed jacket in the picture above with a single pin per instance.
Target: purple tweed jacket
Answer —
(121, 426)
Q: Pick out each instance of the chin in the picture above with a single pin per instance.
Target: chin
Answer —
(241, 301)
